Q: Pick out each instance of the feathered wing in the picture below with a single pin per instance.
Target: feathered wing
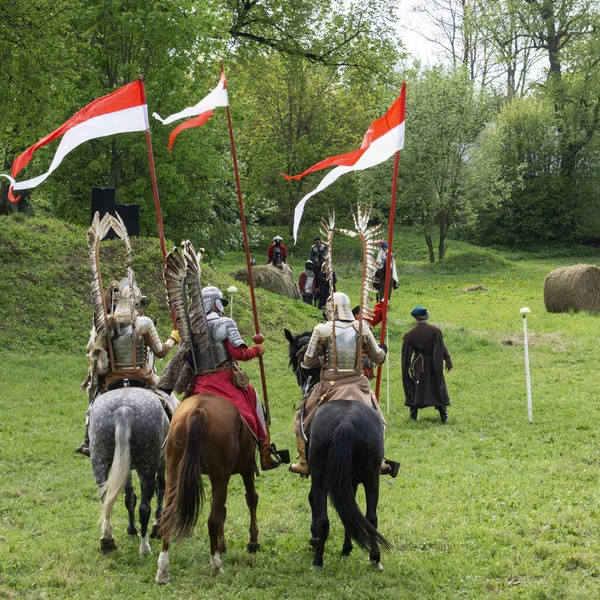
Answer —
(327, 231)
(199, 330)
(120, 229)
(182, 276)
(368, 237)
(96, 232)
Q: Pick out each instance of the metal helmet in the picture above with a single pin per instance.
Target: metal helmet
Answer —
(127, 298)
(212, 296)
(338, 307)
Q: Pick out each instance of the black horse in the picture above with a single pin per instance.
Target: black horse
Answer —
(306, 377)
(346, 448)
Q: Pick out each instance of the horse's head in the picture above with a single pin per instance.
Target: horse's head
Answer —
(298, 344)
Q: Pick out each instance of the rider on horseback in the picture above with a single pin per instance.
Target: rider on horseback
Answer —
(335, 347)
(277, 253)
(122, 341)
(219, 374)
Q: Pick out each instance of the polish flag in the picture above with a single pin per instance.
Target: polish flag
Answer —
(201, 111)
(383, 139)
(122, 111)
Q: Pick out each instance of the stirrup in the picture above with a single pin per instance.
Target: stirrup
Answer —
(282, 455)
(394, 467)
(83, 449)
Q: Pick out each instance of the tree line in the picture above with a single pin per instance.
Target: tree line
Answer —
(501, 136)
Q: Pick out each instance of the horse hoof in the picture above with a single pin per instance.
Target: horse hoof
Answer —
(317, 568)
(107, 545)
(217, 571)
(162, 579)
(145, 548)
(377, 565)
(314, 542)
(253, 547)
(154, 533)
(131, 530)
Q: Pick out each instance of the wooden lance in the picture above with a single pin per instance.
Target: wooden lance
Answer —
(258, 335)
(161, 231)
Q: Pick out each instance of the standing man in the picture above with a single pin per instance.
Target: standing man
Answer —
(306, 283)
(381, 271)
(423, 355)
(318, 253)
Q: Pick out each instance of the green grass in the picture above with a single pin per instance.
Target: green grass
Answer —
(487, 506)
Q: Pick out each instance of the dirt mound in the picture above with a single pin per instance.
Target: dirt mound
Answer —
(271, 279)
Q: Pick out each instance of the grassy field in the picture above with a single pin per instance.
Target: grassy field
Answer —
(486, 506)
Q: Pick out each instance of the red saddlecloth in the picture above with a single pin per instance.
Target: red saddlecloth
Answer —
(221, 384)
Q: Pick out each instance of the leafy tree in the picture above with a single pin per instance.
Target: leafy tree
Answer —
(444, 115)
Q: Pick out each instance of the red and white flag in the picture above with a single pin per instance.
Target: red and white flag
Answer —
(383, 139)
(122, 111)
(202, 111)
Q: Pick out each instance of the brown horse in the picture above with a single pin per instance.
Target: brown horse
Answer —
(207, 437)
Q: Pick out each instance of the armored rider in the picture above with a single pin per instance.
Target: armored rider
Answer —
(336, 347)
(125, 356)
(218, 372)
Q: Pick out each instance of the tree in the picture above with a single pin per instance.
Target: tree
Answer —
(444, 115)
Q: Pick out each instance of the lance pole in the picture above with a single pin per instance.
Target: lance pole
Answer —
(388, 265)
(161, 230)
(247, 251)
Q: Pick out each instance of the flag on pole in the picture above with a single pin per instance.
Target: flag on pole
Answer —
(122, 111)
(202, 111)
(383, 139)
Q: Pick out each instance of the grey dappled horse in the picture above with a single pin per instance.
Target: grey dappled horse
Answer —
(127, 429)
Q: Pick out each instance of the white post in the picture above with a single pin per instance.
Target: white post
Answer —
(524, 312)
(387, 368)
(232, 290)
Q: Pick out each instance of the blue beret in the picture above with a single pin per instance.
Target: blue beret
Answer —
(419, 311)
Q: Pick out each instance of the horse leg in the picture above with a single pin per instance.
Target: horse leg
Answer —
(216, 520)
(107, 541)
(173, 460)
(372, 495)
(252, 502)
(130, 502)
(320, 519)
(160, 495)
(347, 547)
(314, 540)
(147, 483)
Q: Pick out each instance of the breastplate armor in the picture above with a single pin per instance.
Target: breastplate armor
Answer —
(123, 349)
(346, 347)
(214, 353)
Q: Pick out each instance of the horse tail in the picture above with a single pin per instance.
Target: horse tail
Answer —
(338, 481)
(182, 514)
(121, 468)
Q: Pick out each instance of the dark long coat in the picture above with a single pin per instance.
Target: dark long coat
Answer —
(423, 356)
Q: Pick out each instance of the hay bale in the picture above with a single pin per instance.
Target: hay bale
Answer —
(272, 279)
(573, 288)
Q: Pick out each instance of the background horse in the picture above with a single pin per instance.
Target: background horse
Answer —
(209, 437)
(306, 377)
(127, 430)
(345, 448)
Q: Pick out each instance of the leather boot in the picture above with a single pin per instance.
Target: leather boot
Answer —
(301, 467)
(85, 447)
(443, 413)
(267, 462)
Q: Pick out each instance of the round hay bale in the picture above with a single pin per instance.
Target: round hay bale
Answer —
(573, 288)
(272, 279)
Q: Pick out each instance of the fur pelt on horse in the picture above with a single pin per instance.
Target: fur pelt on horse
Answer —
(178, 374)
(99, 363)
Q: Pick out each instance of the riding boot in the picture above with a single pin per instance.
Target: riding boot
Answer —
(85, 447)
(443, 413)
(301, 467)
(267, 462)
